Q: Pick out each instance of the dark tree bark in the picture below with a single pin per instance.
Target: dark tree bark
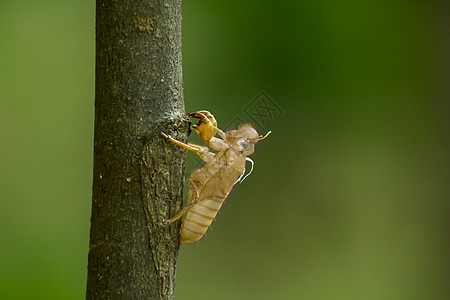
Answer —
(138, 176)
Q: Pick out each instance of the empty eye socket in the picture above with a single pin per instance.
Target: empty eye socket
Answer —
(243, 144)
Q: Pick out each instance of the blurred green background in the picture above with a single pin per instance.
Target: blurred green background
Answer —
(349, 198)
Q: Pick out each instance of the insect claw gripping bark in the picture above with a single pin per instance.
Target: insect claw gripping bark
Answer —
(210, 185)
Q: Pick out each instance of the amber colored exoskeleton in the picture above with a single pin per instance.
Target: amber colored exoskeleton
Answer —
(210, 185)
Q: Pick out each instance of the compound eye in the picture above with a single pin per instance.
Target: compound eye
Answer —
(243, 144)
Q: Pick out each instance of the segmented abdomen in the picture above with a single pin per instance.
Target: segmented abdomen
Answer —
(198, 219)
(214, 186)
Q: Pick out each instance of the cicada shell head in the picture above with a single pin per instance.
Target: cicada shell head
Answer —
(244, 138)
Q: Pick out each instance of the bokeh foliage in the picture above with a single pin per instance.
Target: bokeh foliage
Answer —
(349, 196)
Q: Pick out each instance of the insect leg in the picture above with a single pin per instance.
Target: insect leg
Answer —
(183, 212)
(220, 132)
(209, 119)
(191, 147)
(203, 152)
(194, 190)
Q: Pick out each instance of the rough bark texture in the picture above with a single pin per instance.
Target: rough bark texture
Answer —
(138, 176)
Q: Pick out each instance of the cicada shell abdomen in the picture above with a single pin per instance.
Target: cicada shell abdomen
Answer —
(212, 194)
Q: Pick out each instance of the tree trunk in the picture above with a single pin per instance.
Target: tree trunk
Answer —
(138, 175)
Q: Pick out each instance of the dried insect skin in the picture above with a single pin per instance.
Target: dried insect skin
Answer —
(210, 185)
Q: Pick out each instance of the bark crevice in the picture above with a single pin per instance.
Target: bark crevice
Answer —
(162, 198)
